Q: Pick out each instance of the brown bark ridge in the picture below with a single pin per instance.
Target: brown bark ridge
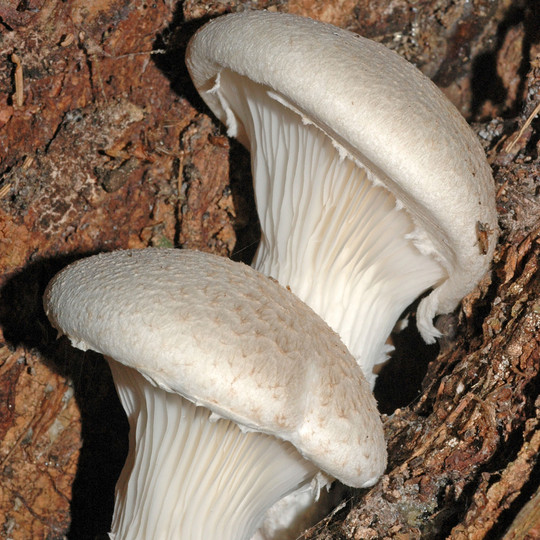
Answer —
(104, 145)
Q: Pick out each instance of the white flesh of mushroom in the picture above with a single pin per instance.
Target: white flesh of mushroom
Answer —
(192, 475)
(358, 267)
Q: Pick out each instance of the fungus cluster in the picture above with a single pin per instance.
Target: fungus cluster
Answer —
(371, 190)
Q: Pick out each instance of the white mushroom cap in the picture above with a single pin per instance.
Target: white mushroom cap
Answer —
(280, 83)
(228, 339)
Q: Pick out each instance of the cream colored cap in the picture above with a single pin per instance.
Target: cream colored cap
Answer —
(230, 339)
(380, 111)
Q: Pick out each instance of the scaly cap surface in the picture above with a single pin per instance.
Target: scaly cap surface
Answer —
(230, 339)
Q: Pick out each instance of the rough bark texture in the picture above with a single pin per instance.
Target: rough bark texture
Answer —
(104, 144)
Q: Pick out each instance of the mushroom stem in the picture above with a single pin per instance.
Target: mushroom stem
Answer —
(190, 474)
(330, 231)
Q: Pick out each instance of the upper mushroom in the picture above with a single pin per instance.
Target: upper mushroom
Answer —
(370, 186)
(237, 393)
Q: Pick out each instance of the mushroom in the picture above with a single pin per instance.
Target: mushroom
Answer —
(370, 186)
(236, 392)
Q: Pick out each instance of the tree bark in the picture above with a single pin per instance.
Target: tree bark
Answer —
(104, 144)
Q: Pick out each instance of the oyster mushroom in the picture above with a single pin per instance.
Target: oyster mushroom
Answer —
(236, 392)
(370, 186)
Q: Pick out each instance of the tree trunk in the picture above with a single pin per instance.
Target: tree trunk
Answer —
(104, 144)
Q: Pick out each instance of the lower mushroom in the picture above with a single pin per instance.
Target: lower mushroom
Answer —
(236, 392)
